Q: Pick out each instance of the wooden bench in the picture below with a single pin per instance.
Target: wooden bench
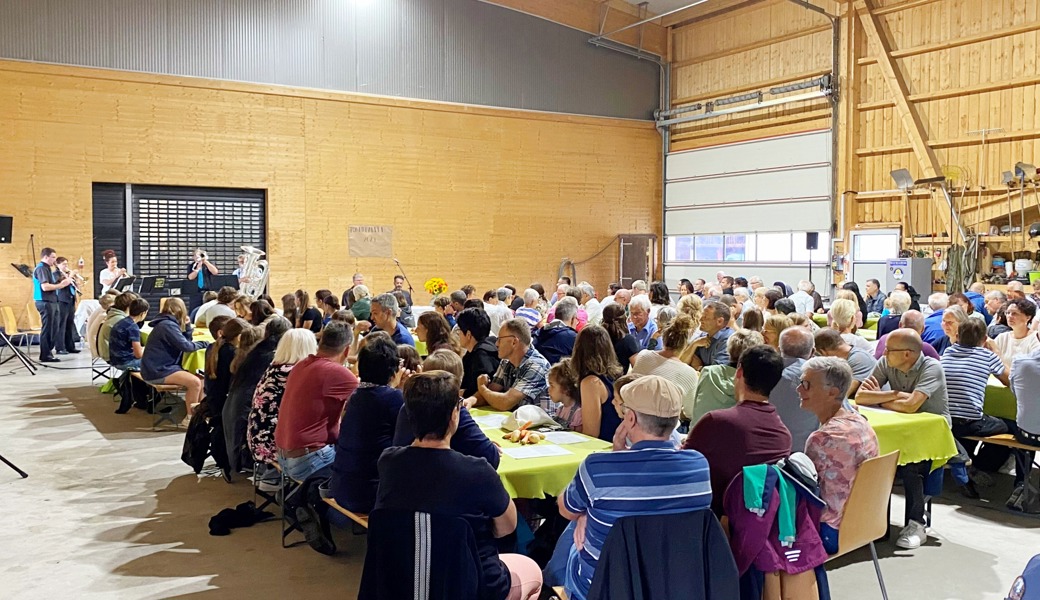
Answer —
(359, 518)
(1004, 439)
(159, 400)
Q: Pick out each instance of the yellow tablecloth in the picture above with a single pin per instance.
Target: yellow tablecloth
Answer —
(1000, 400)
(536, 477)
(918, 436)
(193, 361)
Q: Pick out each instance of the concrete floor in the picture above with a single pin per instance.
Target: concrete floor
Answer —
(109, 511)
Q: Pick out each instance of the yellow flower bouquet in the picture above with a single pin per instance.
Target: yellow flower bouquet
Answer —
(435, 286)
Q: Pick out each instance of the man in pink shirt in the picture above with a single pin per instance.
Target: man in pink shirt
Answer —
(843, 441)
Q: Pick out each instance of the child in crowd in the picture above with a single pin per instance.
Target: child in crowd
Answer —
(563, 389)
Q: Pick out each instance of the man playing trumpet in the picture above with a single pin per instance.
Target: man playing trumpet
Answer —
(65, 334)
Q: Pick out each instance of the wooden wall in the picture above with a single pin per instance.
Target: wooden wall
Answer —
(475, 195)
(956, 66)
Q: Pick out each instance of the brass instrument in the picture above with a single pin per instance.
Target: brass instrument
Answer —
(78, 281)
(253, 274)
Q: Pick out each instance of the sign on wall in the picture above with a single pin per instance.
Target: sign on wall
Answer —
(370, 241)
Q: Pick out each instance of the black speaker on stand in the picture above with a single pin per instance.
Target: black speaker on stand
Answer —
(812, 242)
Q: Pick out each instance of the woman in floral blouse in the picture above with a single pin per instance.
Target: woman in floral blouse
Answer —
(294, 346)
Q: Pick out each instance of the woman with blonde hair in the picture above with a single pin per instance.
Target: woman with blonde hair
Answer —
(692, 305)
(295, 345)
(169, 339)
(243, 307)
(668, 361)
(843, 319)
(773, 327)
(846, 294)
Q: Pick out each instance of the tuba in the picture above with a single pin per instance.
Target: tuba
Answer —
(254, 272)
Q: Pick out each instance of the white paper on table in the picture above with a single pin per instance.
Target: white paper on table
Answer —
(536, 451)
(565, 437)
(490, 420)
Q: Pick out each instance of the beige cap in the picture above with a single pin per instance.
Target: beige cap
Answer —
(653, 395)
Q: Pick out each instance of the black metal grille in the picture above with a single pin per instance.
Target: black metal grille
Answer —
(170, 222)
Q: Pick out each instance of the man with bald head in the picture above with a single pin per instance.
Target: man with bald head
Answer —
(911, 319)
(622, 297)
(796, 347)
(918, 385)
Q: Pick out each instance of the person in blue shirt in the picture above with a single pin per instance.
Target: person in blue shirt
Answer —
(45, 294)
(199, 271)
(384, 318)
(124, 342)
(933, 331)
(640, 325)
(645, 474)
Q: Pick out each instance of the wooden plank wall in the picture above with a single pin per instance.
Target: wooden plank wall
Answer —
(475, 195)
(967, 65)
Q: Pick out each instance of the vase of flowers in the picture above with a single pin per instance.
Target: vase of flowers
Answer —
(435, 286)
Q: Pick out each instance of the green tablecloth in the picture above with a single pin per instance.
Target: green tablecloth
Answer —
(918, 436)
(536, 477)
(870, 323)
(193, 361)
(1000, 400)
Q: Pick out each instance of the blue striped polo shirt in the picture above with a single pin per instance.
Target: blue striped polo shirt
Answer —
(967, 370)
(651, 478)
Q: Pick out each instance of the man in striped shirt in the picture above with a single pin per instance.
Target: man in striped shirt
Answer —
(648, 477)
(968, 365)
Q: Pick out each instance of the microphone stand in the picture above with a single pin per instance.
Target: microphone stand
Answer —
(403, 274)
(16, 469)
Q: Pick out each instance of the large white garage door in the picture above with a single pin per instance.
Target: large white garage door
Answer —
(745, 209)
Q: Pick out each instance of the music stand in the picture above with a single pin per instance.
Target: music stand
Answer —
(124, 284)
(215, 282)
(17, 353)
(152, 283)
(16, 469)
(175, 287)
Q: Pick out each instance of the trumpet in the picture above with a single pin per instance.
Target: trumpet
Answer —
(78, 281)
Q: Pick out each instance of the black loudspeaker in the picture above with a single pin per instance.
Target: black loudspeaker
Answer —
(6, 223)
(812, 240)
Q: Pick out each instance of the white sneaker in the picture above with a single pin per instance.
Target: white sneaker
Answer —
(186, 422)
(912, 536)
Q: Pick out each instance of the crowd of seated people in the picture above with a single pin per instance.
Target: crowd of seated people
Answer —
(731, 374)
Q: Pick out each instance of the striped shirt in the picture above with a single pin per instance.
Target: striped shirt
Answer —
(651, 478)
(967, 371)
(531, 315)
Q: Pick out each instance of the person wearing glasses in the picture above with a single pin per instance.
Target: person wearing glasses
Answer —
(522, 376)
(918, 385)
(841, 444)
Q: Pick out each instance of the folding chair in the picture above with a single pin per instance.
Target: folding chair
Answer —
(288, 488)
(32, 316)
(865, 517)
(164, 396)
(10, 323)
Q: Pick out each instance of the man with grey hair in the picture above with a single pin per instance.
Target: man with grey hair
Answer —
(458, 301)
(803, 300)
(639, 288)
(497, 311)
(640, 325)
(874, 297)
(754, 282)
(555, 341)
(796, 347)
(995, 300)
(911, 319)
(384, 318)
(743, 297)
(841, 444)
(521, 377)
(348, 295)
(588, 301)
(933, 331)
(529, 311)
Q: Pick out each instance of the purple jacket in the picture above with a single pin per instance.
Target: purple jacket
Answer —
(755, 540)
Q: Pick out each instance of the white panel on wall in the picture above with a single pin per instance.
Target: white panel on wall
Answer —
(804, 215)
(769, 273)
(813, 182)
(770, 153)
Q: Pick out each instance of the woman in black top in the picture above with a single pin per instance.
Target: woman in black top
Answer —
(854, 288)
(625, 345)
(310, 317)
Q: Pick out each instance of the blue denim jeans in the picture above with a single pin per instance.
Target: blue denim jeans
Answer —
(555, 572)
(302, 467)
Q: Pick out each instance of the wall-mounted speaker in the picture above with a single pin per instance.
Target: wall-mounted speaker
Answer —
(6, 223)
(812, 240)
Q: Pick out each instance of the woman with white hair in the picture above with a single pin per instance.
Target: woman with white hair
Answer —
(842, 318)
(899, 303)
(362, 306)
(952, 319)
(295, 345)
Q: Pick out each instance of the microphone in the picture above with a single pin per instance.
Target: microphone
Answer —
(396, 262)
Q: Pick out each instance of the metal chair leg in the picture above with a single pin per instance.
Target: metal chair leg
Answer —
(877, 567)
